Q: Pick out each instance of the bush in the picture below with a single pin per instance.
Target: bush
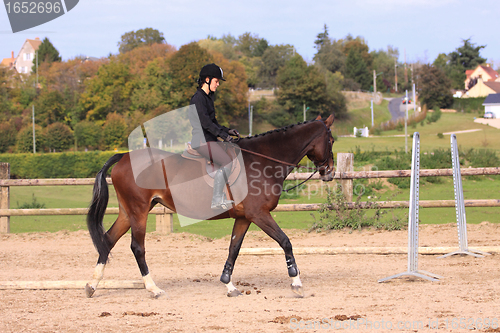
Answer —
(88, 134)
(468, 104)
(57, 137)
(440, 135)
(114, 131)
(7, 136)
(24, 139)
(56, 165)
(335, 214)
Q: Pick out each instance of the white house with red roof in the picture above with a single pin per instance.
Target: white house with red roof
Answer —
(24, 59)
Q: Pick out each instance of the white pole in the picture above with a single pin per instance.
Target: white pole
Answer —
(250, 124)
(304, 112)
(34, 142)
(414, 100)
(406, 125)
(372, 110)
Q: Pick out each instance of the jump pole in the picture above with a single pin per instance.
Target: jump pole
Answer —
(460, 207)
(413, 220)
(45, 285)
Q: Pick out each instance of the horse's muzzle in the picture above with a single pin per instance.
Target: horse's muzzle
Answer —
(327, 177)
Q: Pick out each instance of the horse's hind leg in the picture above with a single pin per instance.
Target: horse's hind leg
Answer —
(271, 228)
(117, 230)
(139, 250)
(239, 230)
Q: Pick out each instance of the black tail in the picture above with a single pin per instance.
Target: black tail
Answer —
(97, 209)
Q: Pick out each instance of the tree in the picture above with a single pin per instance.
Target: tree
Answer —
(46, 53)
(434, 87)
(322, 39)
(133, 39)
(301, 84)
(467, 55)
(7, 136)
(88, 134)
(185, 66)
(114, 131)
(107, 92)
(251, 45)
(273, 59)
(50, 108)
(152, 87)
(383, 62)
(357, 70)
(57, 137)
(24, 139)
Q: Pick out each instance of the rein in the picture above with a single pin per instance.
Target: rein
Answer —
(315, 169)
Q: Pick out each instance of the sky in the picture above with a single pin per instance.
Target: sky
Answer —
(424, 28)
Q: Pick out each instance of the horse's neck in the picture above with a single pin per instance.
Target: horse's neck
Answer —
(288, 146)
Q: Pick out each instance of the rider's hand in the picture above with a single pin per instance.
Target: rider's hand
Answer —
(234, 132)
(228, 139)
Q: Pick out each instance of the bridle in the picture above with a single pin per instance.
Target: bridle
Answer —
(317, 168)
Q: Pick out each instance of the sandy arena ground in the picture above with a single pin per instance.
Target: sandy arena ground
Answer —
(341, 291)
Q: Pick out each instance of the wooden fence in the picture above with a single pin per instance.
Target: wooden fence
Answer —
(164, 216)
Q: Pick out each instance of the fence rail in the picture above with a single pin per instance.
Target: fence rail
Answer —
(164, 220)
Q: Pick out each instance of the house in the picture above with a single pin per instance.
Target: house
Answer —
(24, 60)
(483, 89)
(492, 104)
(483, 72)
(8, 62)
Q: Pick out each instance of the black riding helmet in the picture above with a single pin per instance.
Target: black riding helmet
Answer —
(211, 71)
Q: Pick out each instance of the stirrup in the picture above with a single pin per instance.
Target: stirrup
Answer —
(225, 204)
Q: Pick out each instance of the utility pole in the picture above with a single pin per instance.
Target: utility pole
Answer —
(406, 71)
(304, 112)
(372, 111)
(34, 141)
(396, 73)
(374, 82)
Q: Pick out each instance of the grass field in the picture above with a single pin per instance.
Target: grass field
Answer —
(486, 188)
(487, 138)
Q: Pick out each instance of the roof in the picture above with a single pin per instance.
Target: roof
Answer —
(7, 62)
(491, 72)
(495, 86)
(468, 72)
(492, 99)
(35, 43)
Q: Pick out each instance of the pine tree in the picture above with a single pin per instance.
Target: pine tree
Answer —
(46, 53)
(357, 70)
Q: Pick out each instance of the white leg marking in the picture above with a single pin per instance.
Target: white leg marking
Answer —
(98, 275)
(230, 287)
(151, 286)
(296, 281)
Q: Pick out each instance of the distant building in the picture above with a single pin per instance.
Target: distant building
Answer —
(483, 89)
(492, 104)
(24, 60)
(482, 72)
(8, 62)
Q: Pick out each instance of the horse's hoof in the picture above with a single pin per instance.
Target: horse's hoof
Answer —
(89, 291)
(298, 290)
(234, 293)
(159, 294)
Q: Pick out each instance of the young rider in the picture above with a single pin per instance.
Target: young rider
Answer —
(204, 139)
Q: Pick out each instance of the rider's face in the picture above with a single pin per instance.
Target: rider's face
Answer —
(214, 84)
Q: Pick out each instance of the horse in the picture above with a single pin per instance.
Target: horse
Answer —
(268, 159)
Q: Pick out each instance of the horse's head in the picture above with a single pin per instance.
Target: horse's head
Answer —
(321, 153)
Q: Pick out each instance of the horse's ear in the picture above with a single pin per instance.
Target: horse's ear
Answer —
(318, 117)
(329, 121)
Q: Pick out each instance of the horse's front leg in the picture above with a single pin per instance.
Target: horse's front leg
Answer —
(271, 228)
(239, 230)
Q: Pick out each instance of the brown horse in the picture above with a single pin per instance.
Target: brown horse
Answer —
(267, 160)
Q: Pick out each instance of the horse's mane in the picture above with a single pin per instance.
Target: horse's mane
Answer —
(277, 130)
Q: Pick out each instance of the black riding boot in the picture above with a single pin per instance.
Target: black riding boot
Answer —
(219, 199)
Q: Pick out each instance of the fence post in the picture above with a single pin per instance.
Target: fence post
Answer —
(165, 222)
(345, 163)
(4, 198)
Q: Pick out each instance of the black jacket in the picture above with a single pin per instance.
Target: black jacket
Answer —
(210, 128)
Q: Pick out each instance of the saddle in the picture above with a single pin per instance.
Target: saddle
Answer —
(210, 169)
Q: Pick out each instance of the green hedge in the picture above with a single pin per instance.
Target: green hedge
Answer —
(56, 165)
(468, 105)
